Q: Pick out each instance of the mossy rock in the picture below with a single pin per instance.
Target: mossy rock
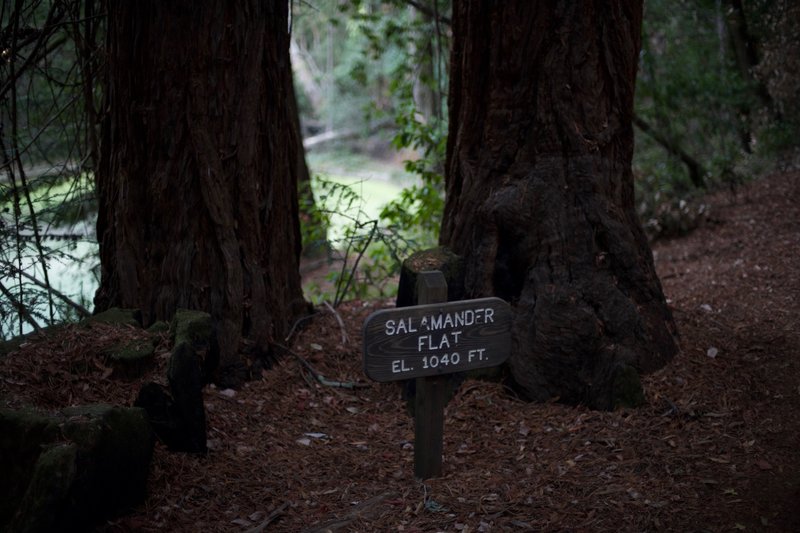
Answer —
(117, 315)
(158, 328)
(626, 388)
(23, 433)
(74, 470)
(116, 431)
(131, 359)
(196, 329)
(47, 496)
(115, 446)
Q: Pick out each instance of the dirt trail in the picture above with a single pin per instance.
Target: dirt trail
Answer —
(717, 447)
(735, 286)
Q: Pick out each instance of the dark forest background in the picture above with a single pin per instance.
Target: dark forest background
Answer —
(716, 106)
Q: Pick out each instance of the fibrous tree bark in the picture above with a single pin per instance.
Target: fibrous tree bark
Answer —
(540, 199)
(197, 182)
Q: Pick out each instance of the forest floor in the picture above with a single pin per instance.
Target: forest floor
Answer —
(716, 448)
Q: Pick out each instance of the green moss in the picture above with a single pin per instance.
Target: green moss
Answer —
(116, 315)
(158, 328)
(194, 327)
(133, 351)
(442, 259)
(70, 486)
(131, 359)
(25, 427)
(84, 425)
(22, 435)
(117, 446)
(47, 494)
(626, 388)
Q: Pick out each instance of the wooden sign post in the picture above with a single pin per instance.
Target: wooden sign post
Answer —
(427, 341)
(429, 399)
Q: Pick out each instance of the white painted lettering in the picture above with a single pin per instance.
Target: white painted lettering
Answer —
(469, 317)
(399, 366)
(389, 327)
(423, 340)
(445, 342)
(448, 321)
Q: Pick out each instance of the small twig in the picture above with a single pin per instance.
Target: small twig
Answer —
(673, 409)
(322, 380)
(271, 518)
(308, 376)
(340, 296)
(297, 323)
(339, 320)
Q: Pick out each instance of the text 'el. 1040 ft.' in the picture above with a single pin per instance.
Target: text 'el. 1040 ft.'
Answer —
(428, 340)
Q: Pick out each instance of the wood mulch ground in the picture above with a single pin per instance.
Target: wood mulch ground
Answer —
(717, 448)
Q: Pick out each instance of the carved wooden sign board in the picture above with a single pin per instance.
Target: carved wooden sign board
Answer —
(427, 342)
(435, 339)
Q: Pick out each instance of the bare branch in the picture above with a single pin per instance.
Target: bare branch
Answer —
(20, 307)
(339, 320)
(322, 380)
(48, 29)
(82, 311)
(696, 170)
(425, 10)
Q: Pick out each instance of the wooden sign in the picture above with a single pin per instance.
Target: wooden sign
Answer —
(426, 342)
(435, 339)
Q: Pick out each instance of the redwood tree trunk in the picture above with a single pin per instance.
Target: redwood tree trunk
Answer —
(198, 176)
(540, 190)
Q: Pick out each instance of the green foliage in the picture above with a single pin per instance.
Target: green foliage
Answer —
(775, 28)
(417, 91)
(702, 102)
(397, 57)
(364, 256)
(372, 66)
(419, 208)
(780, 137)
(48, 120)
(690, 92)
